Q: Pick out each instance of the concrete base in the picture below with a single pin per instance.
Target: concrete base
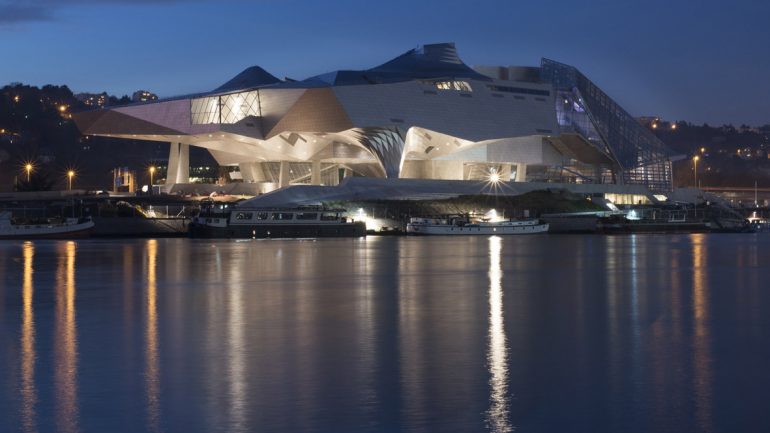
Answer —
(235, 188)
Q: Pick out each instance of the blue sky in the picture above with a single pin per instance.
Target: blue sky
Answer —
(705, 61)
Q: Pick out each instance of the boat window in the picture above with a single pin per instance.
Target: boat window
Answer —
(327, 216)
(307, 216)
(283, 216)
(243, 216)
(261, 215)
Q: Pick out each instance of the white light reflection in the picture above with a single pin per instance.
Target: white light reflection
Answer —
(236, 344)
(152, 369)
(497, 357)
(28, 355)
(66, 344)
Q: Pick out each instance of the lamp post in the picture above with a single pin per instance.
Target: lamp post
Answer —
(152, 173)
(28, 168)
(695, 170)
(70, 175)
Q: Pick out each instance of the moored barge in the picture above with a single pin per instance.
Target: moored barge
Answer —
(225, 221)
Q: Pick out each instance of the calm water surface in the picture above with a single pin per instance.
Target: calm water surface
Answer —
(532, 334)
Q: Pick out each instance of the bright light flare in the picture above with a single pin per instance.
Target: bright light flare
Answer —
(492, 216)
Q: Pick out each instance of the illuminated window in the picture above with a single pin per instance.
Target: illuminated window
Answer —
(237, 106)
(462, 86)
(205, 110)
(226, 109)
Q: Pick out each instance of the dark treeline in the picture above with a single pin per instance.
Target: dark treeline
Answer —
(36, 126)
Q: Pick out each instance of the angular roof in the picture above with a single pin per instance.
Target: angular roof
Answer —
(254, 76)
(433, 61)
(428, 61)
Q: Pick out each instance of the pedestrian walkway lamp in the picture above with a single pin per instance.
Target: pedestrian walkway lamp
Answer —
(70, 175)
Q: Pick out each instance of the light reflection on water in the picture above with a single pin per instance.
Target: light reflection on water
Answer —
(152, 367)
(498, 350)
(28, 356)
(66, 342)
(701, 338)
(534, 334)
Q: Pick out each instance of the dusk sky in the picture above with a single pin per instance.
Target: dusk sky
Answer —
(704, 61)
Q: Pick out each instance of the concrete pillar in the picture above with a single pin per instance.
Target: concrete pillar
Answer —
(283, 175)
(521, 172)
(183, 174)
(252, 172)
(315, 173)
(335, 180)
(173, 164)
(178, 164)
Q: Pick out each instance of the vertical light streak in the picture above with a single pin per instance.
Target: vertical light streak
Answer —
(701, 334)
(66, 343)
(28, 355)
(152, 369)
(236, 345)
(497, 356)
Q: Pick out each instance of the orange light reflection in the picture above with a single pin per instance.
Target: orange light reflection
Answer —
(28, 355)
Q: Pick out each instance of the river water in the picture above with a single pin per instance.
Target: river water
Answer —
(547, 333)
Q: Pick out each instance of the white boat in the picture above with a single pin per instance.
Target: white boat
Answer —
(222, 221)
(460, 226)
(69, 228)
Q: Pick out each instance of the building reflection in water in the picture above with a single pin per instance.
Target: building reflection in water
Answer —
(497, 356)
(702, 376)
(152, 369)
(66, 342)
(28, 355)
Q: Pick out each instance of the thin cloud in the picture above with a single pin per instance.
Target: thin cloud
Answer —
(16, 12)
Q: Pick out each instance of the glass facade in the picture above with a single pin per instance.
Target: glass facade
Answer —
(462, 86)
(584, 108)
(225, 109)
(523, 90)
(205, 110)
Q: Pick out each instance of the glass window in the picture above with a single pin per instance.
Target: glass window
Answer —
(226, 109)
(307, 216)
(282, 216)
(523, 90)
(463, 86)
(329, 216)
(237, 106)
(261, 215)
(243, 216)
(205, 110)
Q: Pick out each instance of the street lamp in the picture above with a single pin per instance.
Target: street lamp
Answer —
(695, 169)
(28, 169)
(70, 175)
(152, 172)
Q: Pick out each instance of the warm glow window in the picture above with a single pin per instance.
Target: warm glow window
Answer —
(462, 86)
(225, 109)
